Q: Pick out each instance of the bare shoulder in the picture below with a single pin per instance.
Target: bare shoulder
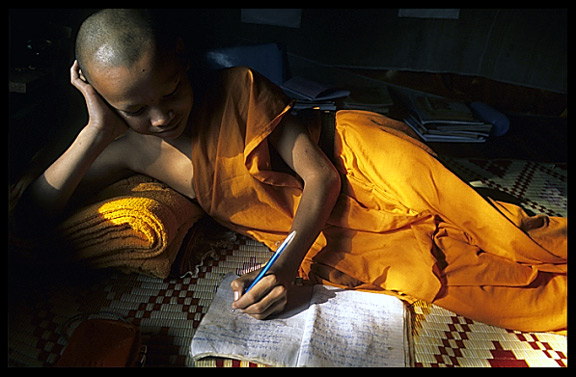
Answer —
(118, 160)
(168, 162)
(124, 152)
(143, 154)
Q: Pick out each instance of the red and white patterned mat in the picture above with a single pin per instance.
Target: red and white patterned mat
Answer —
(444, 339)
(168, 311)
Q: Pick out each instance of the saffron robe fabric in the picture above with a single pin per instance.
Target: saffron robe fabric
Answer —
(403, 223)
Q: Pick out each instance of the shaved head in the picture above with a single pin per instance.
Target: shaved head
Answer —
(120, 37)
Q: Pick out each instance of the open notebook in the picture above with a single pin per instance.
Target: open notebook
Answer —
(331, 327)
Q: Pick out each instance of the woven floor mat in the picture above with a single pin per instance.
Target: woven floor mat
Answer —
(444, 339)
(168, 311)
(539, 187)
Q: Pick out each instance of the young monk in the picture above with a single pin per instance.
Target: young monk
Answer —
(380, 212)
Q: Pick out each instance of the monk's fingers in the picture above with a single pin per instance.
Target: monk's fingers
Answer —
(273, 302)
(77, 78)
(266, 297)
(243, 299)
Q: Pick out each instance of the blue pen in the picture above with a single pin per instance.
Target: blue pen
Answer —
(272, 260)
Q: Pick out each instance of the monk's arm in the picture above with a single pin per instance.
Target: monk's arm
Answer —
(321, 190)
(50, 192)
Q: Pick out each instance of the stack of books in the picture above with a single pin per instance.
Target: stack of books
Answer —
(312, 94)
(438, 119)
(369, 98)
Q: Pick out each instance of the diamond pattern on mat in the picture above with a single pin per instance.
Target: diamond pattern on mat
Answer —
(546, 344)
(166, 311)
(445, 339)
(540, 187)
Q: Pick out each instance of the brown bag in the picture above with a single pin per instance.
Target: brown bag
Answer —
(103, 343)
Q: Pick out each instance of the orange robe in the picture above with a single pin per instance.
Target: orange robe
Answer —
(403, 223)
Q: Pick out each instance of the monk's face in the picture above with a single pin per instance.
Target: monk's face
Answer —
(153, 95)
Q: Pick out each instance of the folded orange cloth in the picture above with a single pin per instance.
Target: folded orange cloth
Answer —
(135, 225)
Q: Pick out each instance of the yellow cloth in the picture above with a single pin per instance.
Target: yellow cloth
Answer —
(403, 223)
(135, 225)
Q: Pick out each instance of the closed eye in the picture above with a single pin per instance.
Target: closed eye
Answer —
(173, 93)
(134, 113)
(141, 109)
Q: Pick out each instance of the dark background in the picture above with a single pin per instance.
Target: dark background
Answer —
(512, 59)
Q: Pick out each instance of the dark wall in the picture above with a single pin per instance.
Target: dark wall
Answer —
(520, 46)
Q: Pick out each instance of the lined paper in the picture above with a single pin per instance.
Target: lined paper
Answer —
(334, 328)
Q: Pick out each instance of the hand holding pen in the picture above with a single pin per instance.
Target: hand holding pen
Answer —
(251, 303)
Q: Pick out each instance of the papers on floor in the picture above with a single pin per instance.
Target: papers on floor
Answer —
(332, 327)
(315, 94)
(438, 119)
(312, 94)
